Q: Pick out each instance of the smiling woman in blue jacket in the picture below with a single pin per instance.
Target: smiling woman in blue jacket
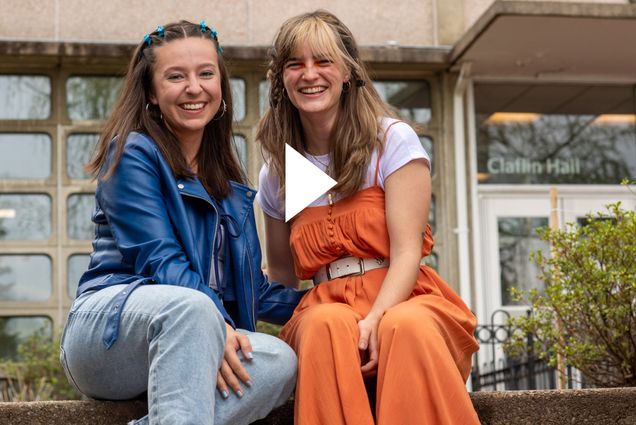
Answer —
(176, 264)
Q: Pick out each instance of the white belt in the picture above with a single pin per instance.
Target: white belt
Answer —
(348, 266)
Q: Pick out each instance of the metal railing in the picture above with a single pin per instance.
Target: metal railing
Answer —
(493, 370)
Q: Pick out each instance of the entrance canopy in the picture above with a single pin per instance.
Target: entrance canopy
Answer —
(551, 41)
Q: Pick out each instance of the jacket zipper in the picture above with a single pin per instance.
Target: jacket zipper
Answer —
(249, 261)
(216, 213)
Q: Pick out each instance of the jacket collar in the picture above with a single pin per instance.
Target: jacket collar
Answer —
(192, 187)
(238, 203)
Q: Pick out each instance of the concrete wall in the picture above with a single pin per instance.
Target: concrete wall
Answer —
(240, 22)
(473, 9)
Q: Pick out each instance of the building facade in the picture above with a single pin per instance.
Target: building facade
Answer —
(510, 98)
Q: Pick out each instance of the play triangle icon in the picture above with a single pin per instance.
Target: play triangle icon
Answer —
(304, 182)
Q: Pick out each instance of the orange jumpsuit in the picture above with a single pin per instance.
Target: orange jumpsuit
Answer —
(425, 342)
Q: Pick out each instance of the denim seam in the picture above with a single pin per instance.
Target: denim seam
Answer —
(152, 411)
(68, 371)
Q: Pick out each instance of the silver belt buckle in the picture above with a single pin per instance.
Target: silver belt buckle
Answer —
(328, 270)
(361, 265)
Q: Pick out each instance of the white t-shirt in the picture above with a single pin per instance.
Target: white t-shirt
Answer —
(401, 147)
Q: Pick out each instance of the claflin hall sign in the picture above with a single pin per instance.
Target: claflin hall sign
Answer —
(551, 166)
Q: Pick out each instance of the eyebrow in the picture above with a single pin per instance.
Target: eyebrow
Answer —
(202, 65)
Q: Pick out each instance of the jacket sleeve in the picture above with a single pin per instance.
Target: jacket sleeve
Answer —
(135, 200)
(277, 302)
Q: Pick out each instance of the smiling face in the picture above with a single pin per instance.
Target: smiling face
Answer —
(313, 84)
(186, 86)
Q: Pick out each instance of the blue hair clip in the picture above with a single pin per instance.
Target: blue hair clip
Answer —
(213, 35)
(147, 39)
(160, 31)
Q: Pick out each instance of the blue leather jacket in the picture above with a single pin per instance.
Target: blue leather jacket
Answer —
(154, 229)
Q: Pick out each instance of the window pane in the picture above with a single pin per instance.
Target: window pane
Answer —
(411, 98)
(25, 156)
(555, 133)
(25, 97)
(564, 149)
(77, 265)
(238, 97)
(263, 97)
(91, 98)
(79, 213)
(432, 216)
(25, 277)
(427, 143)
(16, 330)
(240, 144)
(25, 217)
(517, 239)
(79, 149)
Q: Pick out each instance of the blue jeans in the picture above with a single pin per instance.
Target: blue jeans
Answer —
(171, 342)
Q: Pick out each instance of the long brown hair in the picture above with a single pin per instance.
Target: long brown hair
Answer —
(356, 131)
(216, 159)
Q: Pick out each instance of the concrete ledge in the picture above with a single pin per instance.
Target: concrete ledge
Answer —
(582, 407)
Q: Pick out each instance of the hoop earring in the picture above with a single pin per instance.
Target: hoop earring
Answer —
(150, 112)
(223, 112)
(346, 86)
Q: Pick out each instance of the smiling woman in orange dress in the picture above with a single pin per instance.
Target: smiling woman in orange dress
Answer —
(375, 311)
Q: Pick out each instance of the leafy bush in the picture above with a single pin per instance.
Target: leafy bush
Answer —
(587, 313)
(37, 373)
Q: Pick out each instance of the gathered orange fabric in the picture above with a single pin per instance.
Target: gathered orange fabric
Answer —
(425, 343)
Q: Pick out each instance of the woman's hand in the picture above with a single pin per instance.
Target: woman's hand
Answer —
(232, 371)
(368, 344)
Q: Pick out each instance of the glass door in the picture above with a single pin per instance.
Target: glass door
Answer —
(508, 230)
(508, 227)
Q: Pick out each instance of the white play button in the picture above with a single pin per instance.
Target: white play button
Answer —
(304, 182)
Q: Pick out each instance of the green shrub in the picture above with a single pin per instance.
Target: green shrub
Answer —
(37, 373)
(587, 313)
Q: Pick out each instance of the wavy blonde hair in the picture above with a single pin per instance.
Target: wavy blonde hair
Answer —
(356, 132)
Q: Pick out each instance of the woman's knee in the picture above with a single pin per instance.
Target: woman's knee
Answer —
(407, 320)
(276, 355)
(322, 319)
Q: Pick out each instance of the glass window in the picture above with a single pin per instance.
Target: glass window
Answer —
(25, 156)
(263, 97)
(238, 97)
(79, 149)
(427, 143)
(411, 98)
(80, 209)
(517, 239)
(25, 217)
(91, 98)
(16, 330)
(431, 215)
(25, 97)
(25, 277)
(240, 144)
(76, 266)
(555, 134)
